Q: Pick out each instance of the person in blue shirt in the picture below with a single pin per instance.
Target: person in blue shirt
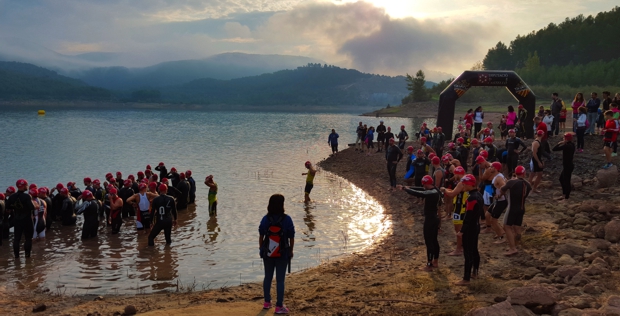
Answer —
(276, 255)
(333, 141)
(593, 104)
(370, 136)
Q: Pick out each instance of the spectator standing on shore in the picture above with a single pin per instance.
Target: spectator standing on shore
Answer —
(370, 137)
(332, 140)
(511, 117)
(607, 101)
(393, 157)
(578, 102)
(568, 153)
(610, 133)
(503, 128)
(360, 137)
(593, 104)
(521, 117)
(478, 120)
(562, 120)
(432, 197)
(438, 141)
(469, 118)
(276, 242)
(516, 190)
(541, 111)
(380, 136)
(580, 128)
(402, 137)
(556, 107)
(616, 111)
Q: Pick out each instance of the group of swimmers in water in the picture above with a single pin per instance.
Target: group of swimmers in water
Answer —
(151, 199)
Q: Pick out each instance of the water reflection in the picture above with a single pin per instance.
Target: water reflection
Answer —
(212, 229)
(309, 221)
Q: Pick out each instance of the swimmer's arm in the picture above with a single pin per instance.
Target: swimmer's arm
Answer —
(132, 199)
(303, 174)
(452, 193)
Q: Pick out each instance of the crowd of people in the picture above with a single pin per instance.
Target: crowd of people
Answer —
(475, 178)
(151, 199)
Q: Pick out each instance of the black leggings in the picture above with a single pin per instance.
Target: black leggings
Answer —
(166, 226)
(477, 128)
(25, 227)
(391, 167)
(431, 229)
(470, 251)
(512, 161)
(90, 227)
(565, 176)
(580, 134)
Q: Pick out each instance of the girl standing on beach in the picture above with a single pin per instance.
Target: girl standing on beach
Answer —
(511, 117)
(577, 103)
(478, 119)
(276, 241)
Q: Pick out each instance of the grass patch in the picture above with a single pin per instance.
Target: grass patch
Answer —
(538, 240)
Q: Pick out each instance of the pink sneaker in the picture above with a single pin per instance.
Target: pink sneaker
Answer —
(281, 310)
(267, 305)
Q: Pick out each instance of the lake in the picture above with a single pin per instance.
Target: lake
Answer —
(252, 155)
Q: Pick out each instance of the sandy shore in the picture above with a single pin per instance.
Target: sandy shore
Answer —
(385, 279)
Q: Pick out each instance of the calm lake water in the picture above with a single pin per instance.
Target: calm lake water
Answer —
(251, 155)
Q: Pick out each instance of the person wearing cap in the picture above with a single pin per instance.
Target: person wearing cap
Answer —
(470, 230)
(388, 135)
(423, 132)
(309, 180)
(40, 213)
(22, 206)
(420, 165)
(360, 136)
(370, 136)
(88, 184)
(453, 152)
(409, 170)
(491, 149)
(140, 175)
(432, 200)
(212, 197)
(192, 186)
(521, 117)
(74, 190)
(134, 183)
(183, 187)
(503, 128)
(8, 215)
(463, 151)
(99, 195)
(568, 154)
(381, 129)
(90, 208)
(164, 215)
(116, 208)
(143, 201)
(438, 172)
(610, 136)
(44, 195)
(124, 193)
(516, 191)
(512, 149)
(458, 196)
(393, 157)
(332, 140)
(541, 126)
(536, 162)
(163, 171)
(475, 151)
(438, 141)
(119, 179)
(173, 176)
(67, 207)
(402, 137)
(499, 205)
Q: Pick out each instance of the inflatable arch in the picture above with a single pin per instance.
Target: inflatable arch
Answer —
(491, 78)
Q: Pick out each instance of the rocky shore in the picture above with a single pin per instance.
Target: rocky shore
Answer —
(567, 265)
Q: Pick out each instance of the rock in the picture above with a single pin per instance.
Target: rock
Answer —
(600, 244)
(566, 260)
(532, 295)
(98, 298)
(588, 206)
(596, 269)
(584, 301)
(576, 181)
(607, 177)
(598, 230)
(499, 299)
(580, 279)
(568, 249)
(581, 221)
(545, 184)
(614, 301)
(612, 231)
(595, 255)
(559, 307)
(593, 289)
(500, 309)
(221, 300)
(570, 291)
(607, 209)
(571, 312)
(39, 308)
(130, 310)
(530, 273)
(541, 280)
(601, 262)
(521, 310)
(609, 310)
(567, 271)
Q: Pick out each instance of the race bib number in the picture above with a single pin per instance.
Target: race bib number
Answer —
(456, 216)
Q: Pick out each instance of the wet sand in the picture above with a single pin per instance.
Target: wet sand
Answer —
(385, 279)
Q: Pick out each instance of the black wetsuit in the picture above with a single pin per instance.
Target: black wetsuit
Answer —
(438, 143)
(401, 138)
(568, 153)
(163, 171)
(420, 164)
(174, 178)
(471, 231)
(492, 151)
(124, 194)
(7, 221)
(183, 199)
(91, 223)
(192, 190)
(54, 211)
(23, 209)
(431, 220)
(394, 155)
(455, 154)
(512, 158)
(75, 192)
(67, 211)
(463, 156)
(135, 187)
(49, 218)
(381, 129)
(387, 137)
(164, 212)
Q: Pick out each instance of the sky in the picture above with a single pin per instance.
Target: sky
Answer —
(390, 37)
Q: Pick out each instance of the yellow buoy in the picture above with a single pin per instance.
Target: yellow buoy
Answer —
(41, 112)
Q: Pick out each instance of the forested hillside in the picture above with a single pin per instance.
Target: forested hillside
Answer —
(20, 81)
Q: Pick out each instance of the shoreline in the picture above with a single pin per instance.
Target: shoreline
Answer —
(386, 271)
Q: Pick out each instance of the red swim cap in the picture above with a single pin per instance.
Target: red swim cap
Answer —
(10, 190)
(59, 186)
(435, 160)
(141, 174)
(402, 127)
(487, 130)
(64, 191)
(469, 179)
(173, 169)
(87, 180)
(2, 197)
(511, 130)
(520, 106)
(164, 180)
(163, 188)
(451, 145)
(488, 140)
(182, 176)
(474, 141)
(148, 167)
(568, 136)
(431, 156)
(420, 152)
(308, 164)
(480, 160)
(459, 170)
(540, 132)
(161, 164)
(97, 182)
(32, 186)
(439, 129)
(427, 180)
(109, 175)
(21, 183)
(154, 177)
(520, 170)
(484, 154)
(188, 173)
(489, 123)
(142, 186)
(128, 183)
(467, 125)
(112, 191)
(497, 165)
(153, 185)
(410, 149)
(423, 139)
(42, 191)
(33, 192)
(131, 177)
(119, 174)
(460, 140)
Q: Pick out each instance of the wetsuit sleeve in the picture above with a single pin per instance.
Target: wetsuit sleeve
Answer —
(400, 154)
(417, 192)
(471, 214)
(521, 144)
(507, 186)
(558, 147)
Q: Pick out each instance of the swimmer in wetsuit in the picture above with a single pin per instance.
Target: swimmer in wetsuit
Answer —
(212, 195)
(163, 171)
(183, 187)
(90, 208)
(164, 215)
(192, 186)
(23, 208)
(309, 180)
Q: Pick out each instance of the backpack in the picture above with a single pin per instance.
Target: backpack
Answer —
(275, 241)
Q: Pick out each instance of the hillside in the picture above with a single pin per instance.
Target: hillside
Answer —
(21, 81)
(222, 66)
(309, 85)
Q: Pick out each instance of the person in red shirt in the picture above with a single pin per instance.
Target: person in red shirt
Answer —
(610, 136)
